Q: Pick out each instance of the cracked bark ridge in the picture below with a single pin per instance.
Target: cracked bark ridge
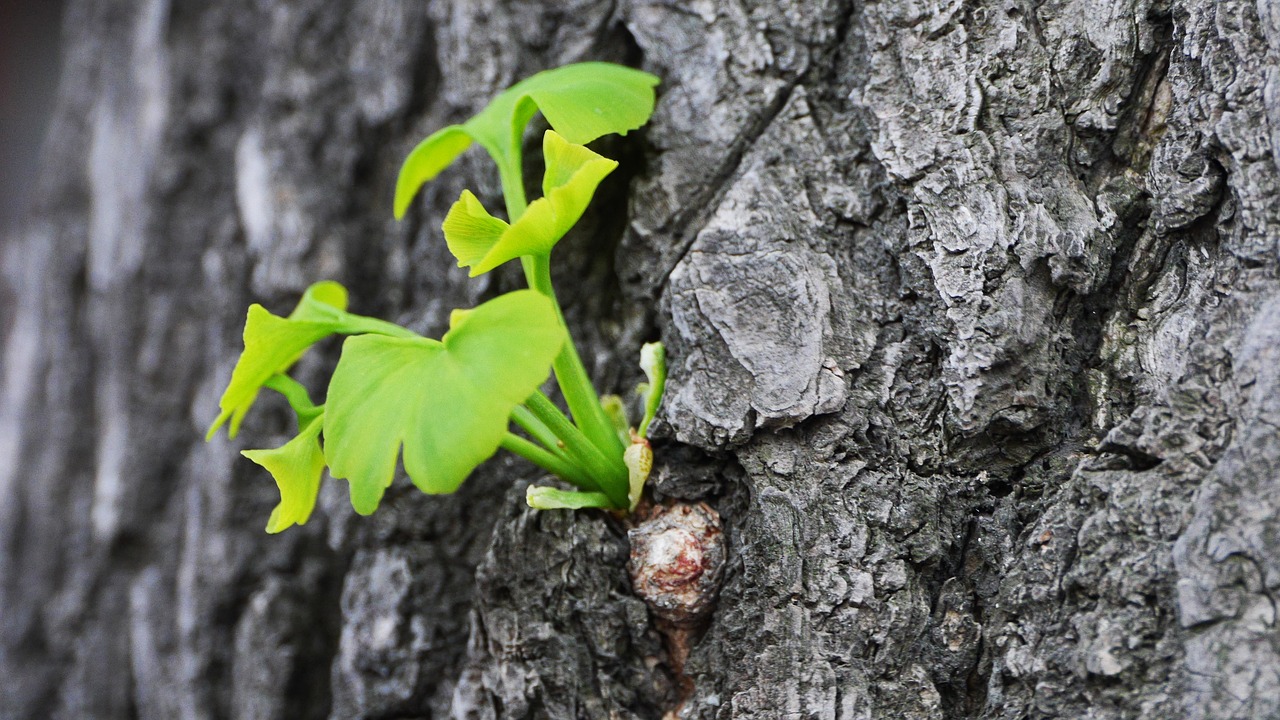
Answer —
(751, 301)
(971, 312)
(1225, 560)
(581, 646)
(1079, 205)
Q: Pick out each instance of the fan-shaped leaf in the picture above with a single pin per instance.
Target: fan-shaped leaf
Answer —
(297, 467)
(445, 402)
(426, 161)
(483, 242)
(272, 344)
(582, 102)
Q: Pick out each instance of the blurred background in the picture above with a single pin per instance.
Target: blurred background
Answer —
(29, 34)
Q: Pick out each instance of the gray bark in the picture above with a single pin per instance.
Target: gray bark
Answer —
(974, 325)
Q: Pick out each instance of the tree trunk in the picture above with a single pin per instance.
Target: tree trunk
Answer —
(973, 321)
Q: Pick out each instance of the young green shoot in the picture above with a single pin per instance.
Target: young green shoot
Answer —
(441, 407)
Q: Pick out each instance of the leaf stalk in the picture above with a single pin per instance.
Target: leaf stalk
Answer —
(609, 477)
(571, 374)
(547, 461)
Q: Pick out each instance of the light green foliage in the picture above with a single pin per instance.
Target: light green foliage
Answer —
(296, 467)
(447, 402)
(582, 102)
(297, 397)
(272, 344)
(443, 407)
(639, 461)
(483, 242)
(426, 161)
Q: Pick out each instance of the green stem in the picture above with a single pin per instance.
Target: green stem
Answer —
(571, 374)
(610, 477)
(293, 392)
(512, 176)
(547, 461)
(357, 324)
(537, 430)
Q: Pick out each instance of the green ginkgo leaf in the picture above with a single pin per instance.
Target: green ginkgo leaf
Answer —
(446, 403)
(581, 102)
(272, 344)
(297, 467)
(483, 242)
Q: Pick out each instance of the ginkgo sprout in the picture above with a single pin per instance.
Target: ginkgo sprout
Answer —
(441, 407)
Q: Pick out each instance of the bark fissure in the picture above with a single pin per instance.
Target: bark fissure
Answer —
(717, 185)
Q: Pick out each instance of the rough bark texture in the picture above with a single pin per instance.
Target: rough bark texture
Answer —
(974, 323)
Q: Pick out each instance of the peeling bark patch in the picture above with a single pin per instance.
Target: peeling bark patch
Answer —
(760, 306)
(752, 301)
